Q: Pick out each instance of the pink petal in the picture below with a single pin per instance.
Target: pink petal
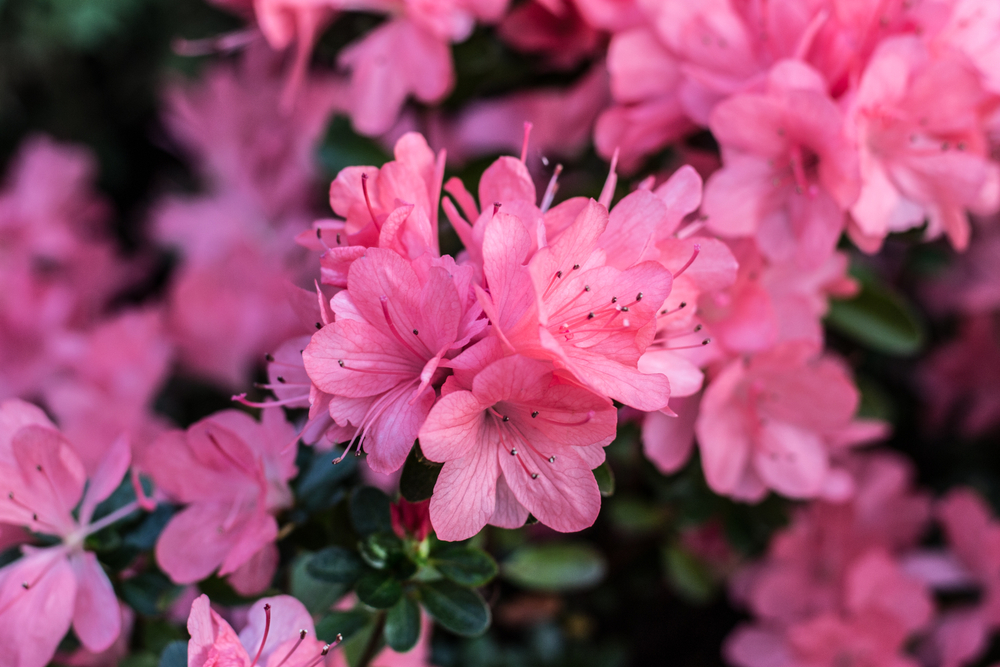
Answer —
(465, 492)
(213, 642)
(505, 181)
(791, 460)
(288, 617)
(192, 545)
(33, 621)
(668, 441)
(722, 433)
(109, 474)
(454, 428)
(255, 575)
(96, 617)
(509, 513)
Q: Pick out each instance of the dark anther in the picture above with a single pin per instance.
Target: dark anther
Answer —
(638, 297)
(281, 379)
(319, 326)
(586, 288)
(576, 266)
(340, 362)
(590, 316)
(558, 274)
(269, 356)
(416, 333)
(534, 414)
(506, 418)
(624, 309)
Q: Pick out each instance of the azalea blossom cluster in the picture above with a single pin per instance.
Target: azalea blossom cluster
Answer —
(849, 583)
(688, 303)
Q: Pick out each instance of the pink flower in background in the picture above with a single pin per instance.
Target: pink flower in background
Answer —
(554, 29)
(232, 472)
(804, 572)
(58, 266)
(919, 121)
(961, 379)
(279, 631)
(50, 589)
(772, 421)
(395, 324)
(789, 172)
(110, 379)
(514, 438)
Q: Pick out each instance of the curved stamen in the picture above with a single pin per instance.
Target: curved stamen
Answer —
(694, 256)
(368, 202)
(302, 636)
(267, 628)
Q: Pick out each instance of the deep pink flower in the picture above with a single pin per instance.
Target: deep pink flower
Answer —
(279, 631)
(515, 438)
(554, 30)
(395, 207)
(394, 325)
(232, 473)
(789, 171)
(50, 589)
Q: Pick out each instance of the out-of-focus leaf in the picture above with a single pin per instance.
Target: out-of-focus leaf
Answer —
(459, 609)
(402, 625)
(419, 476)
(175, 655)
(605, 479)
(149, 592)
(632, 515)
(335, 565)
(370, 511)
(315, 594)
(319, 484)
(467, 566)
(379, 589)
(555, 567)
(345, 623)
(688, 576)
(381, 548)
(879, 318)
(342, 148)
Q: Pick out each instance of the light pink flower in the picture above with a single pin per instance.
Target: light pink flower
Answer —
(50, 589)
(394, 325)
(232, 473)
(919, 119)
(569, 306)
(789, 171)
(771, 421)
(515, 438)
(279, 631)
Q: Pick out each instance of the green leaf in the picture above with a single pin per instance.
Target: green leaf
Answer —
(879, 318)
(319, 485)
(605, 479)
(335, 565)
(459, 609)
(379, 549)
(315, 594)
(419, 476)
(370, 511)
(175, 655)
(343, 623)
(688, 575)
(467, 566)
(379, 589)
(402, 625)
(555, 567)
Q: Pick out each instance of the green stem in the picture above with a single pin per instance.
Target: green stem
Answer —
(374, 641)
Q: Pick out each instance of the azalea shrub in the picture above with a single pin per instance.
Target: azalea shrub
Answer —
(495, 333)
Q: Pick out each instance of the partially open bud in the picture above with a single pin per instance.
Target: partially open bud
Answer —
(411, 519)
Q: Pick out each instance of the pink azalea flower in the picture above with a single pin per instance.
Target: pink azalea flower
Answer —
(230, 120)
(57, 263)
(770, 422)
(880, 609)
(232, 473)
(50, 589)
(789, 172)
(395, 324)
(514, 438)
(225, 315)
(395, 207)
(111, 376)
(279, 632)
(569, 306)
(558, 33)
(924, 153)
(972, 283)
(808, 562)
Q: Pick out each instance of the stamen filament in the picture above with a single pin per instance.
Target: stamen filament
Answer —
(267, 628)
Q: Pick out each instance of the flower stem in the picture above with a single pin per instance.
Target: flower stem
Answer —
(374, 641)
